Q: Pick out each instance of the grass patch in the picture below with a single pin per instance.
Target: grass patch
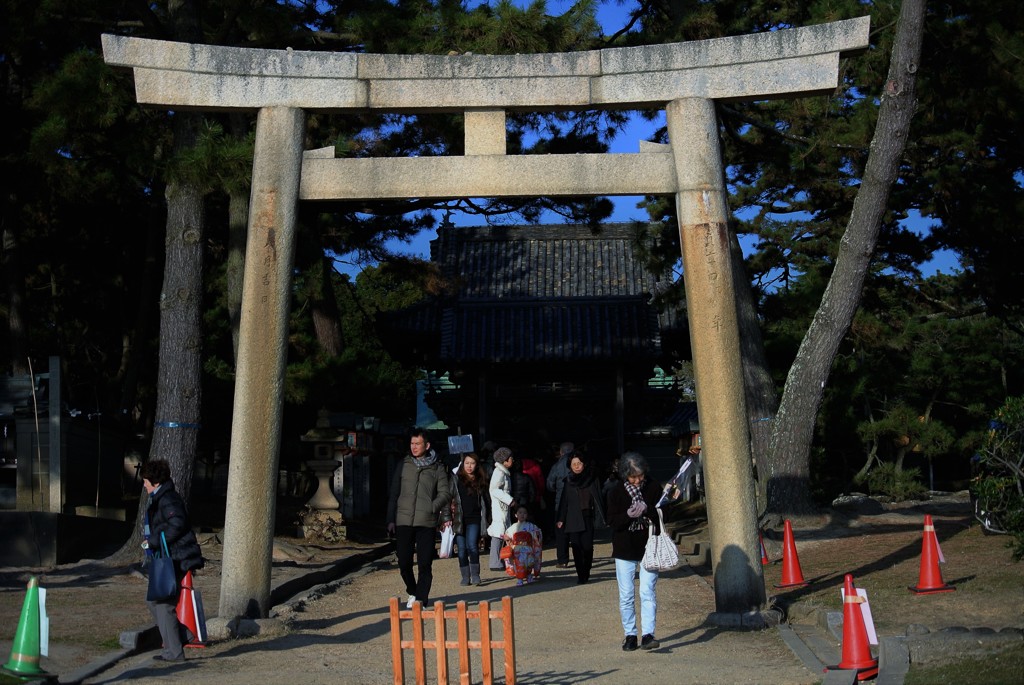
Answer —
(111, 643)
(994, 669)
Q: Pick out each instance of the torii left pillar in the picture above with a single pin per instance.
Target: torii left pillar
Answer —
(262, 354)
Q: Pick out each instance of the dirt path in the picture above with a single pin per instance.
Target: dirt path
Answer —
(564, 633)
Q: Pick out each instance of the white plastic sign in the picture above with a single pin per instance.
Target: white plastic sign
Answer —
(460, 444)
(865, 612)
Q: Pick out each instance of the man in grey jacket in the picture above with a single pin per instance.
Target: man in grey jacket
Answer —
(418, 502)
(555, 483)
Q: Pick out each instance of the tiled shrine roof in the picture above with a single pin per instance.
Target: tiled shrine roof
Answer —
(549, 293)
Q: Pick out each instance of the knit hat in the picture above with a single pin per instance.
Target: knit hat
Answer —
(501, 455)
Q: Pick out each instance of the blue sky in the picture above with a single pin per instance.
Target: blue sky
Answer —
(612, 17)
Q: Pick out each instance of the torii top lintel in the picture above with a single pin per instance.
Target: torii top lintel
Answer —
(785, 63)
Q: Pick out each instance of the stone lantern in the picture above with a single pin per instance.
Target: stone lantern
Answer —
(329, 447)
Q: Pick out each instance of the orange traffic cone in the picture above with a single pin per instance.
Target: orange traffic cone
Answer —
(792, 576)
(24, 661)
(190, 612)
(929, 580)
(764, 552)
(856, 650)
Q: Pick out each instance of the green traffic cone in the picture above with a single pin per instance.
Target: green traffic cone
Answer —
(24, 659)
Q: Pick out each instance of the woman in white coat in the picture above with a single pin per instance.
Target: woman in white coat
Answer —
(501, 504)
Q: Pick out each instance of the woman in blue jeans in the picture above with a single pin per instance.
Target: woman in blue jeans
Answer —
(630, 511)
(470, 516)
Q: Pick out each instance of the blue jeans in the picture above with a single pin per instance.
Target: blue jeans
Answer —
(625, 572)
(469, 544)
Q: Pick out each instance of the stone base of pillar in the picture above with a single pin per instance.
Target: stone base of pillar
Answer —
(229, 629)
(747, 620)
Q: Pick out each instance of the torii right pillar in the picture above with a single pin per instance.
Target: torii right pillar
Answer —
(714, 336)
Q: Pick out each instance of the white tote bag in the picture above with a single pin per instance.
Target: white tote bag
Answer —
(447, 542)
(661, 553)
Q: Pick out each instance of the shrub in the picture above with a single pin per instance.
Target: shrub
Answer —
(900, 485)
(999, 483)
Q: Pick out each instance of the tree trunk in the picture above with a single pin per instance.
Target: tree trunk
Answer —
(759, 389)
(238, 230)
(900, 454)
(862, 475)
(788, 483)
(179, 373)
(179, 378)
(179, 381)
(326, 317)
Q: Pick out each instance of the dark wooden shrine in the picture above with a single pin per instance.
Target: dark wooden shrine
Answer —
(548, 333)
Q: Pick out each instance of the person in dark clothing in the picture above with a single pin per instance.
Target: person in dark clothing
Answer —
(612, 481)
(524, 493)
(471, 500)
(166, 513)
(631, 510)
(419, 499)
(486, 459)
(531, 467)
(555, 483)
(582, 505)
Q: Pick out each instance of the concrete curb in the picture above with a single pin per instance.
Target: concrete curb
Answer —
(893, 661)
(955, 643)
(800, 648)
(919, 645)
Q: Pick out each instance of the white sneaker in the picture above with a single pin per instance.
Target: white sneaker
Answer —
(409, 602)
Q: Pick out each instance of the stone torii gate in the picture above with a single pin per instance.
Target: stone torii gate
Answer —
(683, 78)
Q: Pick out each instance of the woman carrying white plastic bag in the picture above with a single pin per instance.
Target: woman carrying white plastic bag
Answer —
(631, 515)
(447, 542)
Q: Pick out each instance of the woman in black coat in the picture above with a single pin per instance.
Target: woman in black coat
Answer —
(470, 501)
(631, 511)
(166, 514)
(580, 507)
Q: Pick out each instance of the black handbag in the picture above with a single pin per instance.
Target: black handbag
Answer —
(163, 582)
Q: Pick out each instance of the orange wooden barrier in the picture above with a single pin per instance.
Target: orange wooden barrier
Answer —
(462, 642)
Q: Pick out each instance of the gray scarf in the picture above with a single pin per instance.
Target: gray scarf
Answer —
(426, 460)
